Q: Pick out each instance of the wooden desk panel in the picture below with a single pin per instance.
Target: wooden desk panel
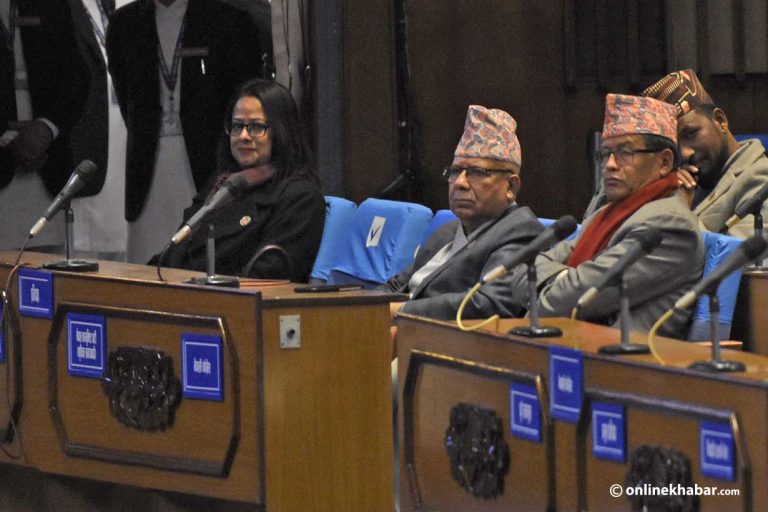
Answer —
(663, 403)
(438, 369)
(299, 429)
(750, 322)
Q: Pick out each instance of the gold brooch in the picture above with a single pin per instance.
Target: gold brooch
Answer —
(245, 220)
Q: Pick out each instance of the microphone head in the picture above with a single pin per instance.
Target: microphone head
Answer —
(754, 246)
(86, 170)
(564, 226)
(649, 239)
(237, 184)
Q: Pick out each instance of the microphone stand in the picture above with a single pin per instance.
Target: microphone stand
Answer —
(625, 346)
(534, 330)
(211, 278)
(758, 263)
(716, 364)
(70, 265)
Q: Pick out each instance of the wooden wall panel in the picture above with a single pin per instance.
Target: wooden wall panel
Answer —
(506, 55)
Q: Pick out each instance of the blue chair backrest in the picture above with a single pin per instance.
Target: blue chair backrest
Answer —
(381, 242)
(440, 218)
(338, 218)
(548, 222)
(763, 138)
(718, 247)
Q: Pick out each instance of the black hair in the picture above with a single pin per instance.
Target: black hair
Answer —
(291, 155)
(707, 110)
(659, 143)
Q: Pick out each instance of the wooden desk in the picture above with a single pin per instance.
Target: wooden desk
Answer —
(304, 428)
(750, 322)
(440, 366)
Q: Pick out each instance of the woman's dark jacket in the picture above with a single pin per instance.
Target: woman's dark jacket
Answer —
(289, 213)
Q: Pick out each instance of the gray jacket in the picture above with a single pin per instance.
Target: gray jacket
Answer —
(654, 282)
(745, 173)
(440, 293)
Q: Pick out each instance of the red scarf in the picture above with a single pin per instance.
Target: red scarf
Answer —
(606, 222)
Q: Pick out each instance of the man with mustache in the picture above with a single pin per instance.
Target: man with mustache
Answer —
(639, 156)
(483, 183)
(718, 173)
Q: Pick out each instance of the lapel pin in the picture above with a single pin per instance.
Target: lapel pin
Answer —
(245, 220)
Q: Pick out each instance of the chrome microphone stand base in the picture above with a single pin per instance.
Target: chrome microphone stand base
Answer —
(226, 281)
(73, 266)
(70, 265)
(212, 279)
(716, 364)
(534, 330)
(625, 347)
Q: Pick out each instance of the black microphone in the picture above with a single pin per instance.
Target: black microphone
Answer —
(82, 175)
(752, 206)
(234, 187)
(562, 227)
(750, 249)
(645, 242)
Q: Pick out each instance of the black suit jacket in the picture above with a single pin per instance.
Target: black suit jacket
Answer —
(7, 111)
(89, 137)
(290, 213)
(56, 79)
(233, 56)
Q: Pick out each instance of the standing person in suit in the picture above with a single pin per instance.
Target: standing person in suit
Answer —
(100, 229)
(264, 143)
(174, 64)
(718, 173)
(639, 156)
(42, 86)
(483, 183)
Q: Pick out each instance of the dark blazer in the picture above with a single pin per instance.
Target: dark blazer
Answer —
(56, 79)
(440, 293)
(7, 111)
(89, 137)
(290, 214)
(230, 40)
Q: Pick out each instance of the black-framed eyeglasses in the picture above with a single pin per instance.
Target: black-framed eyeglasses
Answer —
(474, 174)
(255, 129)
(624, 156)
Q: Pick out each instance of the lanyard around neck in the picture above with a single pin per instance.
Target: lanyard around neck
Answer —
(171, 76)
(99, 31)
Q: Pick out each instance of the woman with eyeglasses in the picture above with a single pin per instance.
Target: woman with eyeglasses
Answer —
(280, 217)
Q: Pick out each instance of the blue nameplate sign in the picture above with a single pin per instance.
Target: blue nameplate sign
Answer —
(35, 293)
(86, 345)
(2, 335)
(609, 440)
(716, 450)
(202, 367)
(565, 383)
(525, 414)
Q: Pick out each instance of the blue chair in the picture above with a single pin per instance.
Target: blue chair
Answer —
(338, 217)
(762, 138)
(548, 222)
(718, 247)
(440, 218)
(382, 241)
